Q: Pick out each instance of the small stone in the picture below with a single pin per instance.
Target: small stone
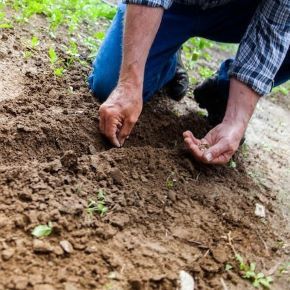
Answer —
(70, 286)
(43, 287)
(67, 246)
(172, 195)
(41, 247)
(116, 175)
(186, 281)
(92, 150)
(58, 250)
(8, 254)
(260, 210)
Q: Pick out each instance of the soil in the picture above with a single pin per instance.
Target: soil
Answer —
(54, 160)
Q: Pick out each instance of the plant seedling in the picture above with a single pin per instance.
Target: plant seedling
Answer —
(42, 230)
(232, 164)
(99, 205)
(54, 62)
(249, 272)
(170, 181)
(34, 42)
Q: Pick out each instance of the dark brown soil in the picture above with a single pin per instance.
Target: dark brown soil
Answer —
(53, 160)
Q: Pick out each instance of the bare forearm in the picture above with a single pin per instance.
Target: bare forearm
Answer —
(141, 26)
(241, 104)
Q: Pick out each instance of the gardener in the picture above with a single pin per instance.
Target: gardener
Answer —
(140, 55)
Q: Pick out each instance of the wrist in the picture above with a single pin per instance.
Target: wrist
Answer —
(241, 104)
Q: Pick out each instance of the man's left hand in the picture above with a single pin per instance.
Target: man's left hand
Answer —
(218, 146)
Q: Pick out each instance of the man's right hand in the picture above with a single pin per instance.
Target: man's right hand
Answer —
(119, 113)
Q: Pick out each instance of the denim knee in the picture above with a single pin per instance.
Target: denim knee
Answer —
(100, 85)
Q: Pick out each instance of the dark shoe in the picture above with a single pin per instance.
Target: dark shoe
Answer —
(176, 89)
(212, 95)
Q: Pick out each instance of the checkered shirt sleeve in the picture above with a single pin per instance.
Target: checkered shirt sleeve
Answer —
(264, 46)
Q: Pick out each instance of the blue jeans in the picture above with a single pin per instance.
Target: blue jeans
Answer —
(226, 23)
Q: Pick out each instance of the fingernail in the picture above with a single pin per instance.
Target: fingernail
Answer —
(208, 156)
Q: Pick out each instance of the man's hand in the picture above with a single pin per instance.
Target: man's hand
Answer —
(122, 109)
(219, 145)
(119, 113)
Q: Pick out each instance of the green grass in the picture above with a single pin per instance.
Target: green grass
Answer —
(248, 272)
(68, 14)
(98, 205)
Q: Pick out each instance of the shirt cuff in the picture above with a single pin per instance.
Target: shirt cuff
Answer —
(151, 3)
(261, 84)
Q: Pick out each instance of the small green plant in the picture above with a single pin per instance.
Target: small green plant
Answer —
(99, 205)
(42, 230)
(205, 72)
(27, 54)
(282, 90)
(228, 267)
(34, 42)
(248, 272)
(232, 164)
(284, 269)
(55, 62)
(170, 181)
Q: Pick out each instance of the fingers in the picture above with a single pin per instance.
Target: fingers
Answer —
(188, 138)
(125, 131)
(109, 125)
(219, 153)
(192, 144)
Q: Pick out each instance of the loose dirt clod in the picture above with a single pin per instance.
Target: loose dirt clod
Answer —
(41, 247)
(7, 254)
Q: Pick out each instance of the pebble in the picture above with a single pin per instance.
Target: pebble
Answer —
(41, 247)
(172, 195)
(260, 210)
(186, 281)
(67, 246)
(43, 287)
(8, 254)
(92, 150)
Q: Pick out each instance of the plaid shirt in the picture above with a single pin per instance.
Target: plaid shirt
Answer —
(262, 48)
